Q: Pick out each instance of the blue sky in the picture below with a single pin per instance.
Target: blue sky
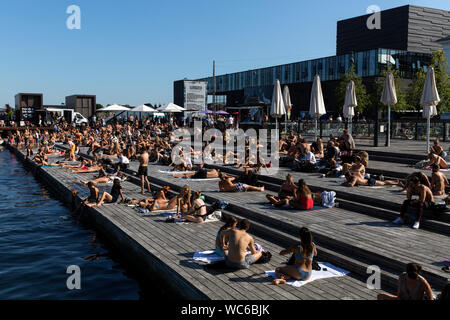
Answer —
(130, 52)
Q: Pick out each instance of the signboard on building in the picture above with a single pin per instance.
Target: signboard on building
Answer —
(195, 95)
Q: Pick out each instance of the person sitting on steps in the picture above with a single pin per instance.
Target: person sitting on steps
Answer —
(304, 254)
(240, 242)
(426, 200)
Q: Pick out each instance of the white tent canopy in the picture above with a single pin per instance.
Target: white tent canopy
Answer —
(389, 98)
(143, 108)
(430, 99)
(171, 107)
(277, 109)
(114, 107)
(350, 102)
(316, 104)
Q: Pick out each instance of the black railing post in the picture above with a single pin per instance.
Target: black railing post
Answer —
(321, 129)
(416, 133)
(445, 130)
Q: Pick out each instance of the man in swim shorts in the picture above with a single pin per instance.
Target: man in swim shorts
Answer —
(240, 242)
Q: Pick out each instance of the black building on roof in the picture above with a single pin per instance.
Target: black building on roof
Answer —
(406, 41)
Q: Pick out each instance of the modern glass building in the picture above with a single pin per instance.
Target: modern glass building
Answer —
(367, 64)
(406, 40)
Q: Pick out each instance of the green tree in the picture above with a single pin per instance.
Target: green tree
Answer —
(360, 90)
(98, 106)
(415, 89)
(402, 104)
(439, 63)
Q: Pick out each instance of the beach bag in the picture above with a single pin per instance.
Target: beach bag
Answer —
(220, 204)
(265, 257)
(420, 164)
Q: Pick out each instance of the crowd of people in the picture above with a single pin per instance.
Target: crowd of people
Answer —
(153, 141)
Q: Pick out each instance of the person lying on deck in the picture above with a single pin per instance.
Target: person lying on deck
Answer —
(411, 286)
(304, 255)
(91, 166)
(116, 192)
(240, 242)
(426, 200)
(438, 181)
(201, 173)
(226, 185)
(357, 180)
(222, 244)
(105, 179)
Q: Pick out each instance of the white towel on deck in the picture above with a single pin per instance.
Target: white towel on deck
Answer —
(331, 272)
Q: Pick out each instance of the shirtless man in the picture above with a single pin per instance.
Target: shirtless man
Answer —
(438, 181)
(240, 242)
(426, 200)
(226, 185)
(143, 170)
(92, 199)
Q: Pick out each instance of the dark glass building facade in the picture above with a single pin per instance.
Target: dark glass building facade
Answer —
(404, 42)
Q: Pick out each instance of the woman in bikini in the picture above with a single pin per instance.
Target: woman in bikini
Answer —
(303, 199)
(304, 255)
(197, 212)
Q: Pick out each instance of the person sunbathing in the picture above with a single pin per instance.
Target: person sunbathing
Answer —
(239, 243)
(437, 149)
(438, 181)
(287, 190)
(304, 255)
(426, 200)
(435, 159)
(356, 168)
(90, 167)
(105, 179)
(226, 185)
(301, 200)
(222, 244)
(201, 173)
(116, 192)
(420, 175)
(197, 212)
(411, 286)
(357, 180)
(92, 199)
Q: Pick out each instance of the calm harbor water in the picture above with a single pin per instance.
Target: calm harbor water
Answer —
(39, 239)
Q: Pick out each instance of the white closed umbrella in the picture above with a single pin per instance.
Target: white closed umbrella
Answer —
(389, 98)
(287, 105)
(430, 99)
(316, 104)
(277, 109)
(350, 103)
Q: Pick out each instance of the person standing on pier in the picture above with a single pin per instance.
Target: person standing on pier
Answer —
(143, 171)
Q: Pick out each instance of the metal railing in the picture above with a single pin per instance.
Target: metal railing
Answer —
(400, 129)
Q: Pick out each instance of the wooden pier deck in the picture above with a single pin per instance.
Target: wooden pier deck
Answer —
(165, 250)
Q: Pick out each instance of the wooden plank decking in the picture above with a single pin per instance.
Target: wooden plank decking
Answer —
(168, 248)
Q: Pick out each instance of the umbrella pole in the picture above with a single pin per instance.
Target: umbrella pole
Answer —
(428, 132)
(285, 125)
(315, 130)
(388, 141)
